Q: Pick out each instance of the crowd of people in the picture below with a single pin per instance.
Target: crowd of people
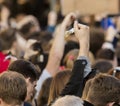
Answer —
(47, 59)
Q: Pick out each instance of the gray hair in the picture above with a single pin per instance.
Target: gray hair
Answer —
(68, 101)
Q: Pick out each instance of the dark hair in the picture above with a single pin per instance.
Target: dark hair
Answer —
(26, 28)
(105, 54)
(40, 58)
(37, 47)
(44, 37)
(26, 68)
(7, 37)
(102, 66)
(96, 40)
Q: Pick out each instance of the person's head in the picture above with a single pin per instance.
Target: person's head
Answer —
(7, 39)
(96, 40)
(29, 71)
(107, 54)
(68, 101)
(39, 60)
(28, 24)
(86, 89)
(102, 66)
(58, 83)
(70, 45)
(13, 89)
(104, 90)
(34, 53)
(33, 47)
(70, 57)
(44, 37)
(46, 40)
(44, 93)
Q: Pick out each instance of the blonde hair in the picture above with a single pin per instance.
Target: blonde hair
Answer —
(91, 57)
(86, 89)
(58, 83)
(70, 57)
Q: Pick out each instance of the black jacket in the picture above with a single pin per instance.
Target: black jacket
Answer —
(76, 83)
(27, 104)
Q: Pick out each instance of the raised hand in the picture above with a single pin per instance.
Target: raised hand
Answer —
(68, 20)
(82, 34)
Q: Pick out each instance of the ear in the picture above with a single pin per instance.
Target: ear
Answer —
(110, 104)
(1, 102)
(27, 80)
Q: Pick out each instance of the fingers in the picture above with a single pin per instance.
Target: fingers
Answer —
(75, 25)
(79, 26)
(69, 19)
(72, 16)
(81, 31)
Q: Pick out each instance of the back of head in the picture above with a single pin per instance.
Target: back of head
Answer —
(44, 37)
(28, 24)
(86, 89)
(96, 40)
(44, 93)
(58, 83)
(38, 57)
(107, 54)
(7, 38)
(70, 45)
(26, 68)
(13, 88)
(104, 89)
(102, 66)
(70, 57)
(68, 101)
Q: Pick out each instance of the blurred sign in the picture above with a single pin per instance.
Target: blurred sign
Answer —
(89, 7)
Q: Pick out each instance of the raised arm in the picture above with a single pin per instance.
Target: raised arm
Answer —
(81, 66)
(57, 49)
(82, 34)
(56, 52)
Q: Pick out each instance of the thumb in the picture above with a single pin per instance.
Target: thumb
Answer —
(75, 25)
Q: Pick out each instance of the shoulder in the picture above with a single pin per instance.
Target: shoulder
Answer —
(86, 103)
(27, 104)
